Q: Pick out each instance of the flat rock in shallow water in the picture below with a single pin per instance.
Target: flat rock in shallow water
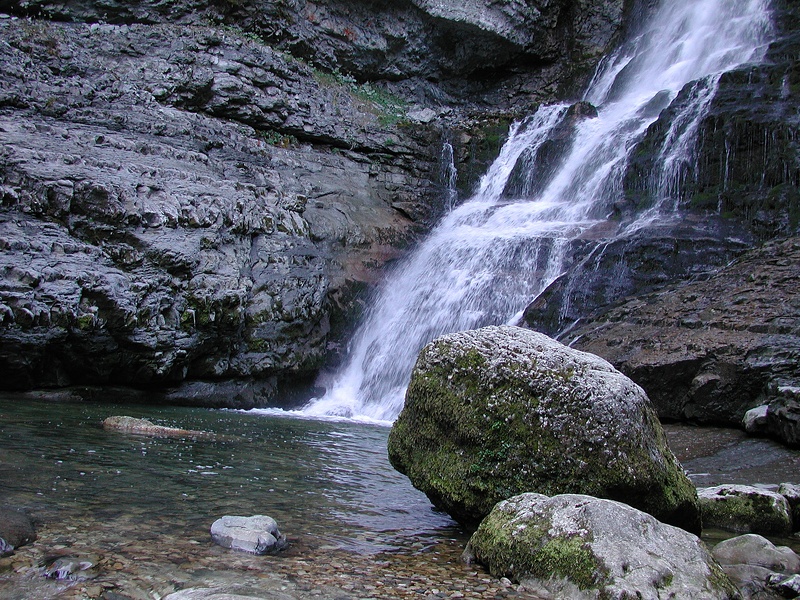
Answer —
(257, 535)
(575, 546)
(745, 509)
(224, 593)
(144, 427)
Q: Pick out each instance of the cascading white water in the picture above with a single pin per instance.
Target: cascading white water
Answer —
(492, 255)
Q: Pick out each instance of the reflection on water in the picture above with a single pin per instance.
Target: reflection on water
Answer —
(329, 481)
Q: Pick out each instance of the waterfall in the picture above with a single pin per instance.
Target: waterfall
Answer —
(557, 176)
(449, 176)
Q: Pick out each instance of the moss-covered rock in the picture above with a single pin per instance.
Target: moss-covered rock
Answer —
(576, 546)
(499, 411)
(745, 509)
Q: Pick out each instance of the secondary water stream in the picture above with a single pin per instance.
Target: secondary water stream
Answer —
(495, 253)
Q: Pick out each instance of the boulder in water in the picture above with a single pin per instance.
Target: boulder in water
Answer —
(756, 565)
(499, 411)
(745, 509)
(576, 546)
(16, 529)
(257, 535)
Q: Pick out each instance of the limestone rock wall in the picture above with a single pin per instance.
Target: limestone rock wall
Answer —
(206, 191)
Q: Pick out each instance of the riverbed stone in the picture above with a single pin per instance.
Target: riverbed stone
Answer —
(16, 529)
(577, 546)
(258, 534)
(228, 592)
(752, 562)
(791, 492)
(745, 509)
(498, 411)
(125, 424)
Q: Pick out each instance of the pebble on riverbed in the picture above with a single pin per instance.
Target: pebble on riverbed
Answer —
(257, 535)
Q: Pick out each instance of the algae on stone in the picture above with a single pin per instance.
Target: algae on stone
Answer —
(502, 410)
(576, 546)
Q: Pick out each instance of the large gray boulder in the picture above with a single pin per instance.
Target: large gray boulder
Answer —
(499, 411)
(576, 546)
(745, 509)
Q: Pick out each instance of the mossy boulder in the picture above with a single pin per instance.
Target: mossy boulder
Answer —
(576, 546)
(499, 411)
(745, 509)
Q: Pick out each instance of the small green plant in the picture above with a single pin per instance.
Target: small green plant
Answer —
(389, 108)
(276, 138)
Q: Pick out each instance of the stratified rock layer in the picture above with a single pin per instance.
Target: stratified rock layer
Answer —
(499, 411)
(196, 212)
(204, 192)
(709, 350)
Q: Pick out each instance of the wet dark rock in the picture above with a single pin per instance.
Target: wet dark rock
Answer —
(745, 167)
(503, 410)
(575, 546)
(736, 190)
(745, 509)
(608, 265)
(256, 535)
(70, 568)
(16, 529)
(711, 349)
(535, 169)
(752, 562)
(207, 193)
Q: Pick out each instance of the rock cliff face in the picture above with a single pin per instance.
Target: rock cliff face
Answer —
(204, 191)
(707, 349)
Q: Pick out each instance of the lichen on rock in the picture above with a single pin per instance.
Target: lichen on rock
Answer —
(576, 546)
(499, 411)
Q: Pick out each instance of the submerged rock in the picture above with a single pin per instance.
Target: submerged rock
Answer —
(227, 592)
(70, 568)
(745, 509)
(257, 535)
(576, 546)
(145, 427)
(16, 529)
(499, 411)
(752, 562)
